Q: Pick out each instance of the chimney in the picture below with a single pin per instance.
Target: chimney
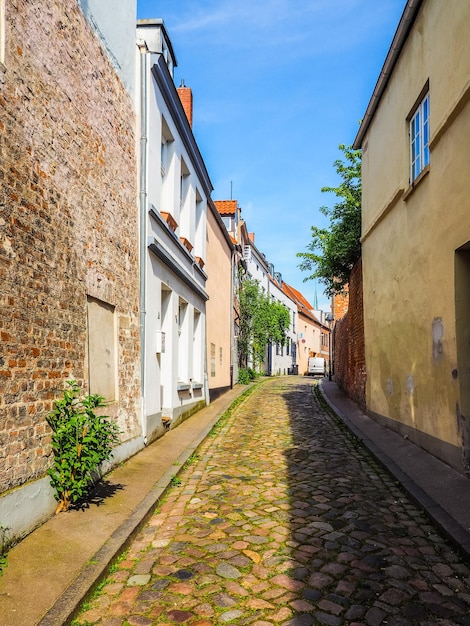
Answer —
(186, 97)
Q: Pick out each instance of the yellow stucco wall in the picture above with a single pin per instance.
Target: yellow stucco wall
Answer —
(410, 235)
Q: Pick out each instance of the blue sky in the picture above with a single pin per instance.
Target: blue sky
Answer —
(277, 86)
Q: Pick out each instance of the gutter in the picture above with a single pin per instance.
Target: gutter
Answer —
(406, 22)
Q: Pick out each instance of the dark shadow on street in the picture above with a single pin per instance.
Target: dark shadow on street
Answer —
(101, 491)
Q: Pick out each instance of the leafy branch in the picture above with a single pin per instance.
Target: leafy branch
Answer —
(261, 322)
(332, 252)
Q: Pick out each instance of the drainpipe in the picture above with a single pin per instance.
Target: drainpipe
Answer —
(143, 226)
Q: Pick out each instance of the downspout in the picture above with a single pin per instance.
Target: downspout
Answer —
(143, 227)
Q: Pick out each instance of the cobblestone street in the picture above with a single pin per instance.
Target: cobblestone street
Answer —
(282, 518)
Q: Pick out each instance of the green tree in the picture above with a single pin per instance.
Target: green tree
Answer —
(261, 322)
(333, 251)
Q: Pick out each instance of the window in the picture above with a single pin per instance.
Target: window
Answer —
(184, 183)
(212, 359)
(227, 223)
(419, 138)
(165, 154)
(183, 318)
(198, 328)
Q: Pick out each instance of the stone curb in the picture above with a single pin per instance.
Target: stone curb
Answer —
(66, 607)
(450, 527)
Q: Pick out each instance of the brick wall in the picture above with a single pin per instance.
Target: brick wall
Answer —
(68, 223)
(186, 97)
(348, 341)
(340, 304)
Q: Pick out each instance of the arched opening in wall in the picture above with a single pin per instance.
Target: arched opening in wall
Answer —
(462, 334)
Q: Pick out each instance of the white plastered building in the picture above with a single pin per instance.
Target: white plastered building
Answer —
(174, 188)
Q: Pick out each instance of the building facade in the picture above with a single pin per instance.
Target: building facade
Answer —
(416, 232)
(313, 333)
(282, 358)
(69, 286)
(174, 189)
(220, 349)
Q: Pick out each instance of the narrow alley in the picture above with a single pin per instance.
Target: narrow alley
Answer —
(283, 518)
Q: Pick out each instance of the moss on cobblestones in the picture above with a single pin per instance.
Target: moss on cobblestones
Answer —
(282, 519)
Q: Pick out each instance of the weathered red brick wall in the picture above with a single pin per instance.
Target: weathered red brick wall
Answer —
(340, 304)
(348, 339)
(68, 223)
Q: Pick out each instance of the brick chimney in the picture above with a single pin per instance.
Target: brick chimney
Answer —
(186, 97)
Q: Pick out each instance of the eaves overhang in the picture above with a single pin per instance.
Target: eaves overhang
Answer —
(172, 100)
(164, 256)
(404, 27)
(159, 23)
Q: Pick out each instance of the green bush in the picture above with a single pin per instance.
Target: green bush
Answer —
(244, 376)
(81, 441)
(4, 544)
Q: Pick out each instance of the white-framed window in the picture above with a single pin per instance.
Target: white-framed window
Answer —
(419, 138)
(184, 182)
(165, 153)
(212, 359)
(163, 157)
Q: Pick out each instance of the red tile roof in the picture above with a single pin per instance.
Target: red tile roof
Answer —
(226, 207)
(303, 305)
(296, 296)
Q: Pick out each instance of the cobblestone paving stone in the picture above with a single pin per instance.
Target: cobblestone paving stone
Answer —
(284, 519)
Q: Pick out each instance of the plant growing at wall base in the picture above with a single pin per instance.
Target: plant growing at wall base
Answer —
(4, 544)
(81, 441)
(246, 376)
